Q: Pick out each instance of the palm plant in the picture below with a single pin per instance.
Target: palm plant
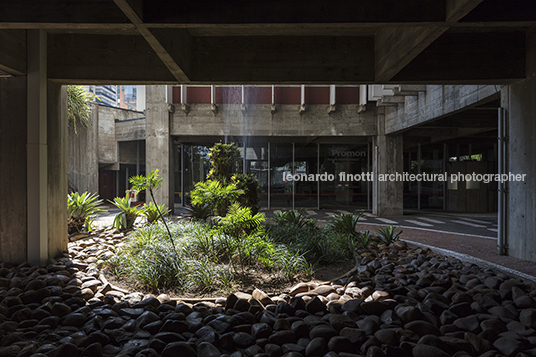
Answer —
(389, 234)
(150, 183)
(78, 108)
(125, 219)
(81, 209)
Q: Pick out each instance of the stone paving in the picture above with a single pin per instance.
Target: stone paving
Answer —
(399, 301)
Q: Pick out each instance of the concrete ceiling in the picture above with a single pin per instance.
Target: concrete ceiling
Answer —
(297, 41)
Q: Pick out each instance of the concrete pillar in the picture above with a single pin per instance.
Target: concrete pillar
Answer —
(33, 162)
(520, 109)
(387, 196)
(57, 131)
(158, 142)
(37, 154)
(13, 185)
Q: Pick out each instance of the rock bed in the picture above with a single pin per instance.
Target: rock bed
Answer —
(400, 302)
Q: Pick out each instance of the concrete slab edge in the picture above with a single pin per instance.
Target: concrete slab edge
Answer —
(474, 260)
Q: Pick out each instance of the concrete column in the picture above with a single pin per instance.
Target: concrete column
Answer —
(520, 110)
(158, 142)
(37, 154)
(387, 196)
(13, 176)
(57, 169)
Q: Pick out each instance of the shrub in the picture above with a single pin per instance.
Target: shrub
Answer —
(200, 212)
(345, 224)
(293, 218)
(215, 194)
(125, 219)
(318, 245)
(81, 210)
(204, 257)
(225, 160)
(250, 186)
(365, 239)
(152, 212)
(389, 234)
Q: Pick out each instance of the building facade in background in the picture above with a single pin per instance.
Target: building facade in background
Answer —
(337, 135)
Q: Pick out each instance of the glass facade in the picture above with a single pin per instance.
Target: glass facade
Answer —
(291, 175)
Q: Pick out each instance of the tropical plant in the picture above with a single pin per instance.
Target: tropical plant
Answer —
(250, 185)
(199, 212)
(224, 159)
(125, 219)
(244, 231)
(152, 212)
(388, 235)
(150, 183)
(216, 194)
(293, 218)
(291, 264)
(365, 239)
(81, 210)
(345, 224)
(78, 107)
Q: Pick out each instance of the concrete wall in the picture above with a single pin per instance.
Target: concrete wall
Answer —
(436, 102)
(13, 184)
(83, 159)
(519, 101)
(130, 130)
(99, 143)
(257, 120)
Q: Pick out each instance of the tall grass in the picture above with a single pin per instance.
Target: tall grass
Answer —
(206, 259)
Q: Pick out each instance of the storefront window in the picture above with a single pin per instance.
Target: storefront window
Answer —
(344, 162)
(281, 165)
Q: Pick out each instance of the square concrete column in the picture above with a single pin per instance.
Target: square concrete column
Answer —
(13, 176)
(158, 142)
(519, 103)
(37, 151)
(57, 149)
(33, 163)
(387, 195)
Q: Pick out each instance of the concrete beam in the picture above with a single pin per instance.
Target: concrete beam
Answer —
(298, 59)
(396, 47)
(470, 58)
(104, 59)
(61, 11)
(180, 48)
(296, 11)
